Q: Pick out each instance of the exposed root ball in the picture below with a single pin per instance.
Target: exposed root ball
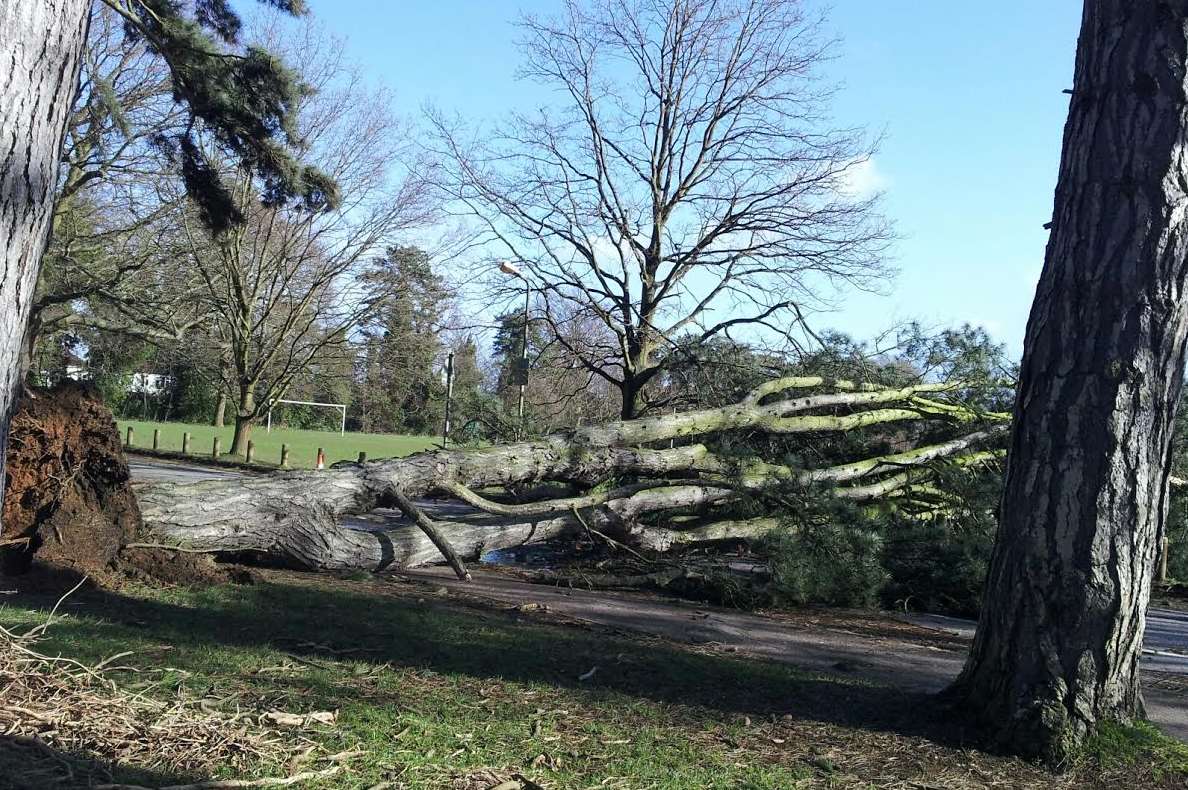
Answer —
(67, 497)
(68, 500)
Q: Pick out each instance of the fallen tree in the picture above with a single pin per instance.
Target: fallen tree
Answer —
(630, 488)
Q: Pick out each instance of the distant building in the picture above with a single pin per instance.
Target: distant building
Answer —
(149, 383)
(141, 383)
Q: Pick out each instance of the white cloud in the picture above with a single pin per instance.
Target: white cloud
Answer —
(863, 179)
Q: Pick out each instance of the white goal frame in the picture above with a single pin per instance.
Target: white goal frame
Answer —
(340, 406)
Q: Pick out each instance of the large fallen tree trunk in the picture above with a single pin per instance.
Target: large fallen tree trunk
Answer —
(305, 518)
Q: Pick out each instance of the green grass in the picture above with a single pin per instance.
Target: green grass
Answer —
(438, 695)
(303, 445)
(1117, 746)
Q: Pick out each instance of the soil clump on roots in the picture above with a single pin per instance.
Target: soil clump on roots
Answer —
(69, 504)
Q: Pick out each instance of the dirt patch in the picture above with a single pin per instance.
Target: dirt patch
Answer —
(68, 501)
(175, 567)
(67, 498)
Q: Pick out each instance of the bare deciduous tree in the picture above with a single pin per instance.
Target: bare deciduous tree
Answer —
(689, 184)
(282, 287)
(110, 222)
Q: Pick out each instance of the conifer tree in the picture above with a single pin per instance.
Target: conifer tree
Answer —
(243, 97)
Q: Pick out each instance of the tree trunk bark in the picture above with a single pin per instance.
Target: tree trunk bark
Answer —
(28, 370)
(1059, 639)
(631, 397)
(243, 433)
(245, 418)
(40, 47)
(636, 374)
(220, 410)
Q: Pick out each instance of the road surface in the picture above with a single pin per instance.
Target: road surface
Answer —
(873, 647)
(153, 470)
(912, 661)
(1165, 642)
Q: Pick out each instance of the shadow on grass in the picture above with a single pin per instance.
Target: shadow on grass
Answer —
(318, 624)
(32, 765)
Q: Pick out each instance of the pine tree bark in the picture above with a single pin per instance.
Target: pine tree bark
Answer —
(41, 45)
(1059, 639)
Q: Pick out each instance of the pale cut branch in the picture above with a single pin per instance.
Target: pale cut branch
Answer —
(545, 507)
(808, 382)
(431, 530)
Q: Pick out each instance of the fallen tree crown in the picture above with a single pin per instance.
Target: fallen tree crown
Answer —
(298, 517)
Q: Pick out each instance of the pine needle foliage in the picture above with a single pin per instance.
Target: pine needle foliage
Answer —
(245, 97)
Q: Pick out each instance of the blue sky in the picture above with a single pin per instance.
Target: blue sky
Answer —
(967, 94)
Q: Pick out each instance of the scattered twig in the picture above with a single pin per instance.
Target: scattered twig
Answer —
(609, 539)
(222, 784)
(105, 662)
(166, 547)
(37, 630)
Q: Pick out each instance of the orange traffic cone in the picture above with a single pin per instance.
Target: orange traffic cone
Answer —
(321, 459)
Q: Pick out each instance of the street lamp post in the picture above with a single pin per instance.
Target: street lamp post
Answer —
(448, 380)
(524, 352)
(510, 269)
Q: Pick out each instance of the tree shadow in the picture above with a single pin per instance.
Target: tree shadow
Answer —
(316, 624)
(27, 764)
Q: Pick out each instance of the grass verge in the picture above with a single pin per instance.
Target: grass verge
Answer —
(303, 445)
(1118, 747)
(433, 693)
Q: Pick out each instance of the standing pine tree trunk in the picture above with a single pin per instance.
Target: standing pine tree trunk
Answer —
(1083, 513)
(40, 48)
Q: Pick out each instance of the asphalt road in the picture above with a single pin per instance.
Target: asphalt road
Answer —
(848, 645)
(883, 659)
(153, 470)
(1165, 642)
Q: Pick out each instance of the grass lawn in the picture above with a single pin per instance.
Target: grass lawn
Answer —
(303, 445)
(435, 693)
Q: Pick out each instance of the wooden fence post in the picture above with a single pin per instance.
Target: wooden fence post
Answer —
(362, 458)
(214, 452)
(251, 451)
(128, 441)
(186, 443)
(156, 438)
(284, 456)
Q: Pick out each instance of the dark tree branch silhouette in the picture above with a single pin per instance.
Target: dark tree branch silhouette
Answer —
(689, 184)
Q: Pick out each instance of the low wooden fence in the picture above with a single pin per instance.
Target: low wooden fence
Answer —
(216, 451)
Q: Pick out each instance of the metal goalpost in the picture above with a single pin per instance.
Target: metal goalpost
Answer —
(340, 406)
